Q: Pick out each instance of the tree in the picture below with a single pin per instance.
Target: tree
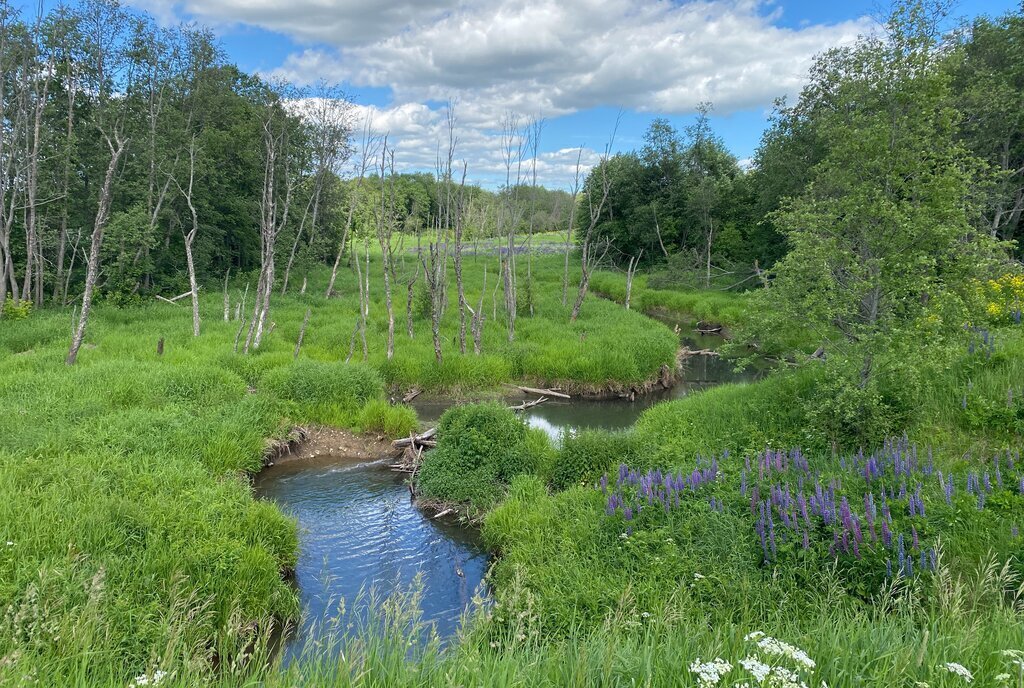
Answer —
(883, 247)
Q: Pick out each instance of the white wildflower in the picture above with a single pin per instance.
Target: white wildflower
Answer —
(710, 673)
(698, 576)
(154, 679)
(756, 635)
(781, 677)
(774, 646)
(645, 614)
(10, 544)
(1003, 678)
(758, 669)
(960, 670)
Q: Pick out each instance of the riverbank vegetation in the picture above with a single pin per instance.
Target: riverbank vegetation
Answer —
(852, 519)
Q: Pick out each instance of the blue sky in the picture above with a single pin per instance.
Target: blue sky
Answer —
(573, 62)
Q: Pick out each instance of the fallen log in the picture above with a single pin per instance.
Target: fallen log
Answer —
(541, 392)
(697, 352)
(443, 513)
(421, 439)
(174, 300)
(411, 394)
(528, 404)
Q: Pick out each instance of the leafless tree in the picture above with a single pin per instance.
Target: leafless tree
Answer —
(386, 215)
(593, 251)
(190, 237)
(275, 204)
(117, 147)
(327, 117)
(573, 205)
(634, 264)
(368, 148)
(514, 142)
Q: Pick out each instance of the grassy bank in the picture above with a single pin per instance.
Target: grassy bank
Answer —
(133, 538)
(717, 307)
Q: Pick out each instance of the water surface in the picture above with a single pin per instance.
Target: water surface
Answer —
(358, 528)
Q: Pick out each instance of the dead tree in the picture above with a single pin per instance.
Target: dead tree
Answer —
(367, 155)
(513, 144)
(573, 205)
(385, 216)
(302, 334)
(634, 263)
(327, 118)
(273, 215)
(116, 147)
(433, 271)
(593, 251)
(190, 238)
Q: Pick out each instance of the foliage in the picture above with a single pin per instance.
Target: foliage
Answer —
(16, 311)
(583, 456)
(480, 448)
(1003, 298)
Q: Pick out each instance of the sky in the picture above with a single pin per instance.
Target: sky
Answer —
(575, 63)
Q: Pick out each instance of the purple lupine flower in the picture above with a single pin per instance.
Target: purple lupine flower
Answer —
(933, 557)
(981, 500)
(888, 568)
(1014, 531)
(807, 542)
(743, 483)
(917, 542)
(604, 484)
(900, 550)
(627, 513)
(988, 482)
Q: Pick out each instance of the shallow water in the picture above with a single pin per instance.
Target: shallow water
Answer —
(559, 415)
(359, 528)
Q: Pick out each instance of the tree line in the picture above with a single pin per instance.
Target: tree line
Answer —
(684, 199)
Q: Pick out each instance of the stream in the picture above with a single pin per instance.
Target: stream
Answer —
(359, 529)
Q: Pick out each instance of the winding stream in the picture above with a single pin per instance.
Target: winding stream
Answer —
(359, 528)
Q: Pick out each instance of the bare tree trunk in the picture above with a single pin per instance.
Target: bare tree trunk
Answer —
(302, 334)
(190, 237)
(92, 274)
(368, 153)
(588, 253)
(385, 226)
(634, 263)
(227, 297)
(574, 203)
(434, 275)
(478, 317)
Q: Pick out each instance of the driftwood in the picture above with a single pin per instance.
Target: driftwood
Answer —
(541, 392)
(443, 513)
(411, 394)
(697, 352)
(425, 439)
(528, 404)
(708, 328)
(175, 300)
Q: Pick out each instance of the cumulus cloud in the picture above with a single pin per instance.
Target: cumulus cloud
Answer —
(537, 57)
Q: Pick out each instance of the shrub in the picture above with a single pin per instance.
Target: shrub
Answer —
(380, 416)
(315, 383)
(585, 455)
(16, 312)
(480, 448)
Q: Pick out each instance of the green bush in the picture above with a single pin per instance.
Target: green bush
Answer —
(480, 448)
(585, 455)
(380, 416)
(316, 383)
(16, 312)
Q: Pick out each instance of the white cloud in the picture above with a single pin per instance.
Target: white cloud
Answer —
(536, 57)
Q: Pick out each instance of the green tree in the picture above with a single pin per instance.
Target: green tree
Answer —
(883, 245)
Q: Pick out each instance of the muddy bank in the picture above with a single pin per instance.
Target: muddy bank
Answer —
(310, 442)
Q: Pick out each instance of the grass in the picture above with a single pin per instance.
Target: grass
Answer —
(136, 545)
(133, 533)
(718, 307)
